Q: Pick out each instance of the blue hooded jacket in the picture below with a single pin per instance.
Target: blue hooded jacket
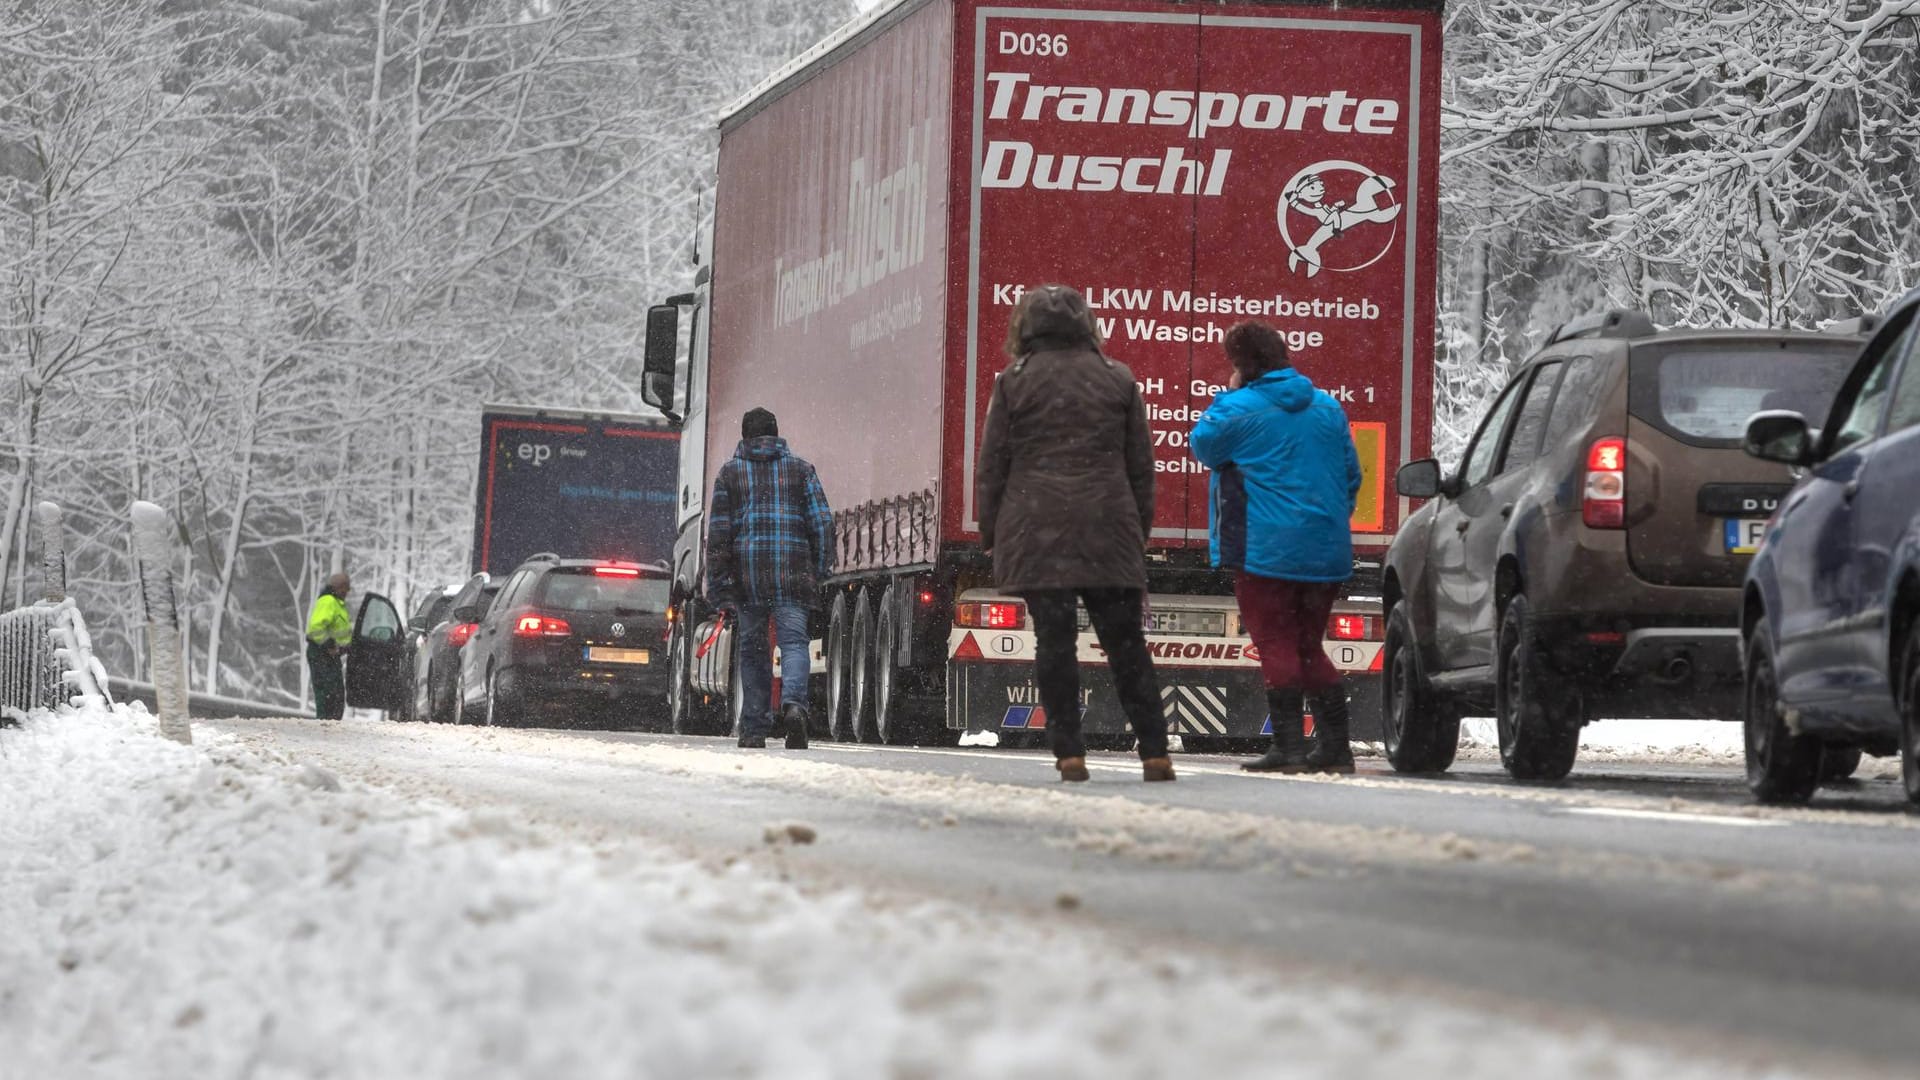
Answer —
(1284, 478)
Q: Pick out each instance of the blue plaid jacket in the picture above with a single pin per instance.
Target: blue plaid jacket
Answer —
(769, 532)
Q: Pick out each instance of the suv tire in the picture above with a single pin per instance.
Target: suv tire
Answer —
(1781, 767)
(1909, 698)
(1839, 763)
(1420, 730)
(1537, 717)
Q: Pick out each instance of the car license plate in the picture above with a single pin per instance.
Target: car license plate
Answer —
(1744, 535)
(606, 655)
(1187, 621)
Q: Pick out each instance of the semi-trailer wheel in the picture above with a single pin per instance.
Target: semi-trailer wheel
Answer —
(860, 694)
(679, 674)
(890, 721)
(736, 693)
(834, 721)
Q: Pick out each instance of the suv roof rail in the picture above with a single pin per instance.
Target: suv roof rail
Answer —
(1613, 323)
(1616, 323)
(1860, 325)
(542, 556)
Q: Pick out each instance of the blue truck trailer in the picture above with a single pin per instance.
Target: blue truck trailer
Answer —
(577, 484)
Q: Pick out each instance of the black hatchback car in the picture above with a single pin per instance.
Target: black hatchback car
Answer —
(569, 641)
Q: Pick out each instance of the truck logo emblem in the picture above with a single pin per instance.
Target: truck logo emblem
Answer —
(619, 629)
(1307, 195)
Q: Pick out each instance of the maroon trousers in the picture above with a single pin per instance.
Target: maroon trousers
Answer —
(1287, 621)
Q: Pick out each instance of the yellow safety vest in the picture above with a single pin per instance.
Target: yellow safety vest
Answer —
(329, 621)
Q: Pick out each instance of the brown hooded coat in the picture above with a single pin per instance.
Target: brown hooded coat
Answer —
(1066, 464)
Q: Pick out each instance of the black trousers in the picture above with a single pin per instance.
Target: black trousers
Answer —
(1115, 614)
(329, 682)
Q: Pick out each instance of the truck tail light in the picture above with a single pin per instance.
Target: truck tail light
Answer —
(458, 633)
(1603, 503)
(993, 615)
(1354, 628)
(541, 626)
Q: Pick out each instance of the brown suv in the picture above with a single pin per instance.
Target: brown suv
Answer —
(1585, 559)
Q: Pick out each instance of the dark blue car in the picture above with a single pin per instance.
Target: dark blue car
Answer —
(1831, 624)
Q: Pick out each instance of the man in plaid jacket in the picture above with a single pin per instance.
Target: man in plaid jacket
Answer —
(769, 544)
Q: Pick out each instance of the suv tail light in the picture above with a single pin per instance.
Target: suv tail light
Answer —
(541, 626)
(1603, 503)
(458, 633)
(996, 615)
(616, 570)
(1354, 628)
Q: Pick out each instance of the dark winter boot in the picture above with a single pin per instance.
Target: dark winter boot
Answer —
(796, 719)
(1288, 752)
(1072, 769)
(1332, 744)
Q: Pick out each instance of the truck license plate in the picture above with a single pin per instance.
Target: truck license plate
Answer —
(1744, 535)
(618, 656)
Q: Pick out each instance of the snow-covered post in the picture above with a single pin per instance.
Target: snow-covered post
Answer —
(53, 551)
(153, 551)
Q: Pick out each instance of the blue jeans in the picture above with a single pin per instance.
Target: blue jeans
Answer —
(789, 623)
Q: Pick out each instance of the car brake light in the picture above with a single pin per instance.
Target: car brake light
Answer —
(1603, 503)
(541, 626)
(617, 571)
(997, 615)
(458, 633)
(1353, 628)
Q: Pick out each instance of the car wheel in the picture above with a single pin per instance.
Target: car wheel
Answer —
(500, 710)
(860, 693)
(440, 703)
(1421, 731)
(1910, 714)
(1538, 719)
(459, 704)
(1838, 763)
(833, 721)
(1782, 767)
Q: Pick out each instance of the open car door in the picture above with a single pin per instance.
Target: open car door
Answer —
(377, 672)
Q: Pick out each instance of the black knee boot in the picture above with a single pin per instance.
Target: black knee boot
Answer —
(1288, 751)
(1332, 742)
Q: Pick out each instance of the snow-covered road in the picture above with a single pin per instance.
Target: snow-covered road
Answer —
(295, 899)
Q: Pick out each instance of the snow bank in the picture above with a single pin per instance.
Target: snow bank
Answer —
(1673, 742)
(216, 911)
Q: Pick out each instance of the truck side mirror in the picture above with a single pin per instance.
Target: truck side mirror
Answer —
(1779, 435)
(1418, 479)
(662, 354)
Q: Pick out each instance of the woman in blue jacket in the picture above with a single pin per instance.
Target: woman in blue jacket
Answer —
(1284, 478)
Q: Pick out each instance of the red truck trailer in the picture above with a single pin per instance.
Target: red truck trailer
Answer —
(882, 203)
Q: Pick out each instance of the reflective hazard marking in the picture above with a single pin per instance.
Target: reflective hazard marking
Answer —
(1195, 710)
(1017, 646)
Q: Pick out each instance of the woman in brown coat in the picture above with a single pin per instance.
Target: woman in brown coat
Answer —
(1066, 503)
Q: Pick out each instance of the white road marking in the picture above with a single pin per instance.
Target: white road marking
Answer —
(1670, 815)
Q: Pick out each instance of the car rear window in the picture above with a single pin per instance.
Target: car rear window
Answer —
(584, 590)
(1705, 394)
